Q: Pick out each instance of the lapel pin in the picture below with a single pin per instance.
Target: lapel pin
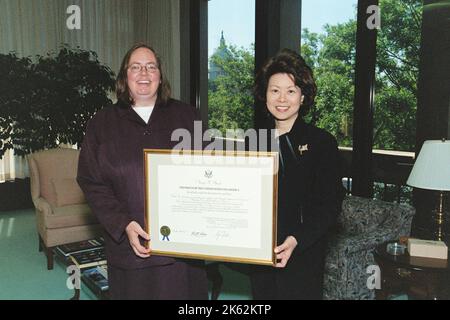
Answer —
(302, 148)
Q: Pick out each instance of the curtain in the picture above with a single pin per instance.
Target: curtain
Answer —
(108, 27)
(12, 167)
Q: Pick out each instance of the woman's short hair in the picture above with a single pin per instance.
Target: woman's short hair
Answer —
(289, 62)
(122, 89)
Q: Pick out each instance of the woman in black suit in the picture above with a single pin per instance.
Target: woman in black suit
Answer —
(309, 180)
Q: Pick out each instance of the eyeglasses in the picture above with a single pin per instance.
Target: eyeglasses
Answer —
(136, 67)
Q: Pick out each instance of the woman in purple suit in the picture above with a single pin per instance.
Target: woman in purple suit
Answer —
(110, 173)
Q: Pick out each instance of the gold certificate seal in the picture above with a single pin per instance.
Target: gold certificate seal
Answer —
(165, 231)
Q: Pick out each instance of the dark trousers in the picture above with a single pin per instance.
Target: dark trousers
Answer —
(178, 281)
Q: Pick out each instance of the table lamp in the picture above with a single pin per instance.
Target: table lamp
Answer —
(431, 171)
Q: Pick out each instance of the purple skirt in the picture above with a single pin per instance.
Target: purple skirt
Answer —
(178, 281)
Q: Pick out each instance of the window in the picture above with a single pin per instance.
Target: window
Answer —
(231, 29)
(397, 73)
(328, 45)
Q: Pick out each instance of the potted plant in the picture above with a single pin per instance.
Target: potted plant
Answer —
(14, 95)
(60, 94)
(49, 102)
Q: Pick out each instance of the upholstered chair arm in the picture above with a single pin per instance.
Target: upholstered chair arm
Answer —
(34, 178)
(400, 220)
(42, 205)
(363, 242)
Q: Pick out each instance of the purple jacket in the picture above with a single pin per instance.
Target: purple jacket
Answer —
(111, 170)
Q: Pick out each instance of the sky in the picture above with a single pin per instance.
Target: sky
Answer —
(236, 19)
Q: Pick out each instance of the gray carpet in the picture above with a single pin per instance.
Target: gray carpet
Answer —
(24, 274)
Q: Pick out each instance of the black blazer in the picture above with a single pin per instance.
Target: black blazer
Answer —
(309, 180)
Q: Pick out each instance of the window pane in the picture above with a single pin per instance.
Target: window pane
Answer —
(231, 34)
(328, 45)
(397, 72)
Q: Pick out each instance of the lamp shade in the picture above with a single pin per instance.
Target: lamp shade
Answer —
(432, 167)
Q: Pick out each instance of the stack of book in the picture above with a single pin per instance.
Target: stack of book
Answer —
(89, 258)
(84, 254)
(96, 279)
(66, 250)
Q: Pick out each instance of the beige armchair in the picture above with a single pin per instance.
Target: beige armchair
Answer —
(62, 214)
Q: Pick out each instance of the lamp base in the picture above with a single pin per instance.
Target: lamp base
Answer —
(439, 225)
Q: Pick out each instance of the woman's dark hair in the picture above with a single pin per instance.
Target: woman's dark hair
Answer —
(122, 89)
(289, 62)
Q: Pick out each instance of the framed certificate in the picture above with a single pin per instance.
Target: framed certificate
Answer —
(212, 205)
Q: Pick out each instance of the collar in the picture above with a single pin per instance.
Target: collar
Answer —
(299, 132)
(126, 111)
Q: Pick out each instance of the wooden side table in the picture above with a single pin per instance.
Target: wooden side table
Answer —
(420, 278)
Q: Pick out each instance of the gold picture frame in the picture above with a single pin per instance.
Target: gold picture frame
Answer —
(212, 205)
